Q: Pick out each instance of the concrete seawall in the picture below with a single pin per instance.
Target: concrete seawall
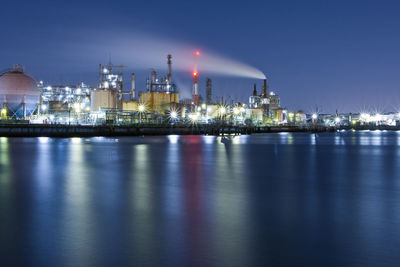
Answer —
(36, 130)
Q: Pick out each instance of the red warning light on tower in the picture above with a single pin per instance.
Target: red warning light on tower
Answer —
(197, 53)
(195, 89)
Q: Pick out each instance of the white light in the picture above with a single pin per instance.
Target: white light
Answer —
(337, 119)
(193, 116)
(44, 107)
(236, 111)
(173, 139)
(314, 116)
(141, 108)
(43, 140)
(174, 114)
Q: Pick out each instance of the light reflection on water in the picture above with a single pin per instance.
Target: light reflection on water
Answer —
(273, 199)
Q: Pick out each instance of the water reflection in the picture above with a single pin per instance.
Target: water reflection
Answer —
(276, 199)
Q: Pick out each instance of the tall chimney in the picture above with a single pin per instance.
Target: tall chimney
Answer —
(255, 90)
(209, 90)
(265, 88)
(169, 57)
(133, 93)
(195, 89)
(153, 80)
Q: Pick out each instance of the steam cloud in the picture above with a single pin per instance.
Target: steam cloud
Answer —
(141, 51)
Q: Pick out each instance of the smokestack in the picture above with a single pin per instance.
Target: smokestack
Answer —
(255, 90)
(209, 90)
(195, 89)
(169, 57)
(265, 88)
(153, 80)
(133, 93)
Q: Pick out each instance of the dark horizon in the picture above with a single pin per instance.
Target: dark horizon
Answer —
(335, 55)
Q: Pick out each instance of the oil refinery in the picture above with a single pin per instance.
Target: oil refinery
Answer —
(116, 102)
(113, 101)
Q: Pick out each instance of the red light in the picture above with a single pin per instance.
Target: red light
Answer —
(194, 74)
(197, 53)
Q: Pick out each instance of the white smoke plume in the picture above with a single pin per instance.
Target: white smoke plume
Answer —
(140, 51)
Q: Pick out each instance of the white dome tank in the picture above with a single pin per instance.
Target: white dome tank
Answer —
(18, 89)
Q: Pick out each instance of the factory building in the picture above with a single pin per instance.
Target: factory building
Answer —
(266, 99)
(59, 98)
(19, 94)
(161, 92)
(265, 107)
(103, 99)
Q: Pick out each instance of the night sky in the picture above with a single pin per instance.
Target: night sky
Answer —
(331, 54)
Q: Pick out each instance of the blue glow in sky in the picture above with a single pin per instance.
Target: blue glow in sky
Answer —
(335, 54)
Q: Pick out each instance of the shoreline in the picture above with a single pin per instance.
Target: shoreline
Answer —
(45, 130)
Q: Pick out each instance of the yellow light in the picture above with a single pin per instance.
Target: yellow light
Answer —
(193, 117)
(236, 111)
(142, 108)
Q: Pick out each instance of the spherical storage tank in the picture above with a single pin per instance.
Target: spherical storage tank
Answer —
(18, 90)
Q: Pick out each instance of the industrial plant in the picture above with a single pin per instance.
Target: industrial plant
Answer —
(116, 102)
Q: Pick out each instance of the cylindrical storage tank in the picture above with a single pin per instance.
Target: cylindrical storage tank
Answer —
(103, 99)
(18, 89)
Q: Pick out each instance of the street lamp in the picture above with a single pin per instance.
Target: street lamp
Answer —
(142, 108)
(173, 114)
